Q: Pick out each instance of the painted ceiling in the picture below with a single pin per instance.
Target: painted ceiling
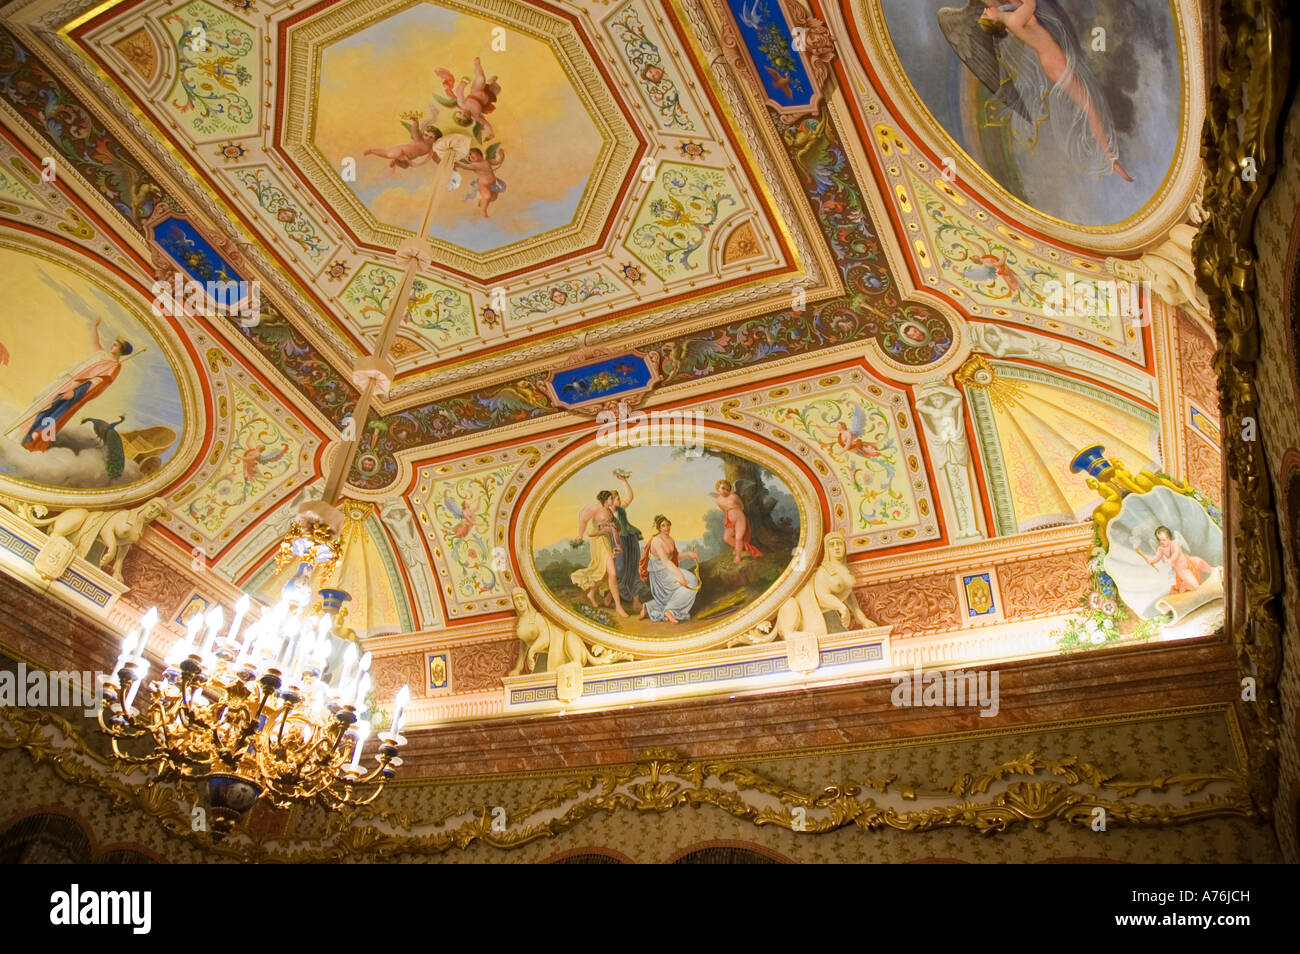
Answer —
(781, 205)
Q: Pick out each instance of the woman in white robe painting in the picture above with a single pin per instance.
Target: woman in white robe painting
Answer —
(674, 589)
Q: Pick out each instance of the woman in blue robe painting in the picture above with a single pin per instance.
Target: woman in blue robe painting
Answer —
(627, 557)
(54, 410)
(674, 588)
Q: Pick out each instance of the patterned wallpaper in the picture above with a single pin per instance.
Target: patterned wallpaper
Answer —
(1275, 231)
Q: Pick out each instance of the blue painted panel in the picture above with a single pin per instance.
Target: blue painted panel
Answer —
(606, 378)
(767, 35)
(192, 252)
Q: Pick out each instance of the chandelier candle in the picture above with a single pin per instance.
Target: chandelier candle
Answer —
(246, 715)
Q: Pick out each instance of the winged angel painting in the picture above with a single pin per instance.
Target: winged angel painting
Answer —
(1027, 54)
(1072, 105)
(470, 100)
(101, 408)
(456, 70)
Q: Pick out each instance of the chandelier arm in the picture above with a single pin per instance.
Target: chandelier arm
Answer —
(162, 719)
(266, 695)
(249, 730)
(351, 800)
(373, 774)
(308, 749)
(126, 757)
(332, 798)
(106, 707)
(284, 721)
(328, 753)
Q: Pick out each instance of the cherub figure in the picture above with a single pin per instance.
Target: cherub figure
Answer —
(419, 149)
(989, 266)
(473, 106)
(736, 524)
(850, 437)
(484, 169)
(1187, 568)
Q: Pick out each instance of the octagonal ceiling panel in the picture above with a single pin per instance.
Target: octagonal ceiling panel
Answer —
(553, 144)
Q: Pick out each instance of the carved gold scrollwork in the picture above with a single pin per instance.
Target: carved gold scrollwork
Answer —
(1030, 790)
(1239, 147)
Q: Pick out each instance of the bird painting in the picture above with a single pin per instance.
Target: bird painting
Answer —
(114, 455)
(781, 81)
(575, 389)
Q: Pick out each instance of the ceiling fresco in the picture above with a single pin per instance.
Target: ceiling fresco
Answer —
(815, 232)
(515, 98)
(118, 427)
(1084, 131)
(602, 194)
(1092, 154)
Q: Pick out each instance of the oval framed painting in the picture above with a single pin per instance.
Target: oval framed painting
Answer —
(101, 418)
(1090, 134)
(663, 549)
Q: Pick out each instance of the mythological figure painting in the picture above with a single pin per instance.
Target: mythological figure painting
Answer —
(1074, 106)
(1157, 563)
(101, 408)
(442, 73)
(1165, 554)
(649, 541)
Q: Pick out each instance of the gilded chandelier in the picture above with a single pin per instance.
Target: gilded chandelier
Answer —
(250, 714)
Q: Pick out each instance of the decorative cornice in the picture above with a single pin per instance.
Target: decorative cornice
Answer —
(998, 550)
(466, 634)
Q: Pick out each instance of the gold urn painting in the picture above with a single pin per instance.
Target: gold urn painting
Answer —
(651, 549)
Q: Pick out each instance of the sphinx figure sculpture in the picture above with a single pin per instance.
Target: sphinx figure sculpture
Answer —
(829, 590)
(117, 530)
(537, 634)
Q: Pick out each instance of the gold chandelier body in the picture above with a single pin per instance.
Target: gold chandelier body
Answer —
(254, 717)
